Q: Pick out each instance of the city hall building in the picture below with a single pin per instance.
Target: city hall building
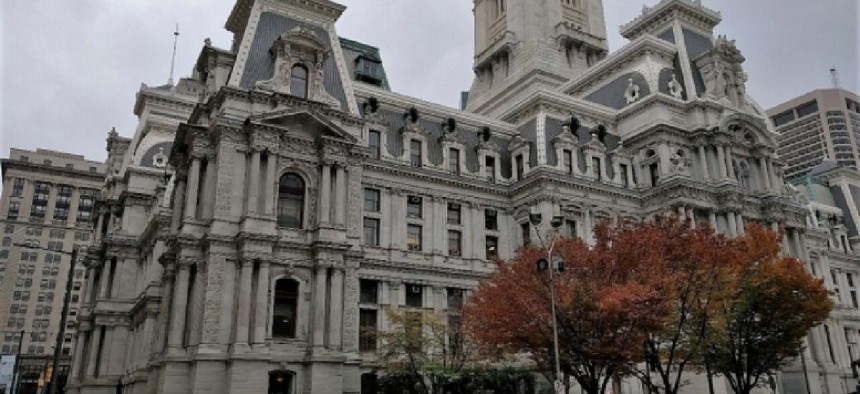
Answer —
(282, 197)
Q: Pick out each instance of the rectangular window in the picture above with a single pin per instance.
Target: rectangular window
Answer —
(568, 161)
(490, 168)
(570, 227)
(455, 298)
(520, 168)
(10, 228)
(453, 213)
(367, 330)
(654, 172)
(371, 231)
(414, 296)
(14, 208)
(850, 278)
(598, 174)
(18, 187)
(829, 344)
(415, 153)
(368, 291)
(414, 207)
(374, 142)
(455, 243)
(526, 234)
(623, 169)
(491, 220)
(413, 237)
(454, 160)
(371, 200)
(492, 245)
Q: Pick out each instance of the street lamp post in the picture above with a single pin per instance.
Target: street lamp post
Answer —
(552, 265)
(58, 347)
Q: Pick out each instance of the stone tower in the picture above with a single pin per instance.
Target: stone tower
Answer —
(523, 44)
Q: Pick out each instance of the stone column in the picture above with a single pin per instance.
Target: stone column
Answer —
(180, 302)
(325, 195)
(191, 190)
(261, 304)
(176, 220)
(466, 247)
(207, 204)
(243, 310)
(438, 209)
(319, 306)
(712, 218)
(336, 318)
(732, 224)
(721, 161)
(95, 344)
(269, 185)
(254, 183)
(765, 179)
(691, 216)
(104, 356)
(88, 287)
(78, 357)
(340, 196)
(774, 180)
(729, 164)
(104, 283)
(741, 224)
(477, 232)
(682, 212)
(589, 227)
(703, 161)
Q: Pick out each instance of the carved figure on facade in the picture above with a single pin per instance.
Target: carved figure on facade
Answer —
(632, 92)
(675, 88)
(680, 161)
(722, 70)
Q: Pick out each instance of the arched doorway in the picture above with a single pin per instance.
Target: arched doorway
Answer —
(281, 382)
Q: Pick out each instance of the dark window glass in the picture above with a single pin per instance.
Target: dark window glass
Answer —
(520, 168)
(14, 208)
(492, 245)
(415, 153)
(371, 200)
(595, 163)
(654, 172)
(413, 237)
(299, 81)
(284, 312)
(455, 243)
(454, 160)
(570, 226)
(413, 207)
(490, 164)
(526, 234)
(291, 201)
(375, 143)
(623, 168)
(371, 231)
(453, 213)
(18, 187)
(414, 296)
(369, 290)
(367, 330)
(568, 161)
(491, 219)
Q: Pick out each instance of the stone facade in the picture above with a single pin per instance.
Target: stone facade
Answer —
(302, 198)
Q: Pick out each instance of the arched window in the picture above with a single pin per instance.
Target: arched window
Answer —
(299, 81)
(291, 201)
(284, 314)
(281, 382)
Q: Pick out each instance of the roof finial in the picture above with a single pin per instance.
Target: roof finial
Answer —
(173, 59)
(834, 76)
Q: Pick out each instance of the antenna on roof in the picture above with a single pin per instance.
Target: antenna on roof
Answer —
(173, 59)
(834, 76)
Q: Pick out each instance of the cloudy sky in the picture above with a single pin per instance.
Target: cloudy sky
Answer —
(69, 69)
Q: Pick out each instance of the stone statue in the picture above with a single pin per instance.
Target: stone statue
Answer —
(675, 88)
(319, 92)
(632, 93)
(720, 82)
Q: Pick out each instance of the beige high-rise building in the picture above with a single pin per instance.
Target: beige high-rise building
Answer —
(47, 204)
(822, 124)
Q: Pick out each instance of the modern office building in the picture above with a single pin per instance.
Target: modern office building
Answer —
(820, 125)
(281, 198)
(46, 210)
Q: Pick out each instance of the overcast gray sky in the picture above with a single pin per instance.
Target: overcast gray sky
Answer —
(70, 68)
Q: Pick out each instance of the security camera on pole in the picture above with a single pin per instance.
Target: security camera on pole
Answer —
(552, 265)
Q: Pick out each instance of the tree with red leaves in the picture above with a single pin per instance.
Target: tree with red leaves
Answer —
(608, 299)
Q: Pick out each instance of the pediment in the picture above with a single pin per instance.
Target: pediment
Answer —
(747, 129)
(304, 121)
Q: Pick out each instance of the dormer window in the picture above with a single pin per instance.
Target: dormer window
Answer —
(454, 161)
(299, 81)
(415, 153)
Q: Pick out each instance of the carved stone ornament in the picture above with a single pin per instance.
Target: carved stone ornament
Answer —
(725, 80)
(566, 137)
(632, 92)
(675, 88)
(301, 47)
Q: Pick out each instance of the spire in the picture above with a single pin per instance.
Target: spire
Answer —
(834, 76)
(173, 59)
